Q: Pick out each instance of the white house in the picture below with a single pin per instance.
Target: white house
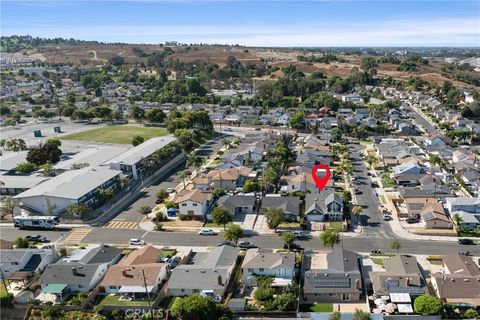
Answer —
(28, 260)
(283, 119)
(195, 203)
(471, 205)
(266, 262)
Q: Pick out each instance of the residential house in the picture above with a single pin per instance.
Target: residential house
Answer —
(402, 275)
(207, 273)
(436, 139)
(283, 120)
(25, 262)
(435, 218)
(136, 274)
(289, 205)
(193, 203)
(459, 281)
(266, 262)
(324, 206)
(298, 182)
(80, 271)
(407, 168)
(332, 277)
(467, 208)
(228, 179)
(238, 204)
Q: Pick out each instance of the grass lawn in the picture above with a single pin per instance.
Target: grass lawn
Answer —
(388, 182)
(289, 225)
(121, 134)
(475, 234)
(113, 301)
(168, 253)
(378, 261)
(167, 302)
(3, 289)
(322, 307)
(212, 225)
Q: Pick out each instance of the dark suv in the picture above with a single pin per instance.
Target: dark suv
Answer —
(466, 241)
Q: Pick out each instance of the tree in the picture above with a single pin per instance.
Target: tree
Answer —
(274, 217)
(182, 176)
(233, 232)
(288, 238)
(155, 115)
(296, 120)
(185, 138)
(330, 238)
(457, 219)
(218, 192)
(336, 134)
(357, 211)
(116, 61)
(251, 186)
(221, 216)
(8, 206)
(195, 161)
(47, 170)
(198, 308)
(136, 140)
(137, 113)
(427, 305)
(361, 315)
(346, 197)
(77, 210)
(162, 194)
(370, 159)
(21, 243)
(25, 167)
(395, 245)
(48, 152)
(335, 316)
(145, 210)
(471, 314)
(62, 252)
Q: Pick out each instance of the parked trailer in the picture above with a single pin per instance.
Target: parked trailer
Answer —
(35, 222)
(57, 129)
(37, 133)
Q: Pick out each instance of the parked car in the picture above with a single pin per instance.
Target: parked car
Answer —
(226, 243)
(353, 178)
(374, 185)
(36, 238)
(246, 245)
(227, 129)
(357, 191)
(386, 217)
(466, 241)
(293, 246)
(411, 220)
(207, 232)
(136, 242)
(299, 234)
(158, 201)
(464, 253)
(174, 262)
(170, 190)
(205, 170)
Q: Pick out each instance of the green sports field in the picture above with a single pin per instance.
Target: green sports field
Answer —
(121, 134)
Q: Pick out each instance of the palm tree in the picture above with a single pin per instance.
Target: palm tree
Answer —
(370, 159)
(346, 166)
(457, 219)
(195, 161)
(357, 211)
(330, 238)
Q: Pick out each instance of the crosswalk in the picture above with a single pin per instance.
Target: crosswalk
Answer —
(77, 235)
(117, 224)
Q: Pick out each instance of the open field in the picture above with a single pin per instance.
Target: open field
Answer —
(121, 134)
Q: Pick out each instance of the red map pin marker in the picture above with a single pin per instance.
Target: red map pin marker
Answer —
(321, 182)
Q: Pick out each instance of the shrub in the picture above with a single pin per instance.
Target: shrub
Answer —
(264, 293)
(470, 314)
(6, 300)
(427, 305)
(169, 204)
(145, 210)
(159, 227)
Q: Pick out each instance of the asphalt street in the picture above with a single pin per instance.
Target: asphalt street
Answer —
(360, 244)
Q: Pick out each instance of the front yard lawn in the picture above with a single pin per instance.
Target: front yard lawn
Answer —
(473, 233)
(322, 307)
(378, 261)
(113, 300)
(168, 253)
(388, 182)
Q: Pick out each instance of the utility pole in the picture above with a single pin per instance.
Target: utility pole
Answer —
(146, 290)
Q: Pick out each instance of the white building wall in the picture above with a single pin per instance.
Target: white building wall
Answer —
(199, 209)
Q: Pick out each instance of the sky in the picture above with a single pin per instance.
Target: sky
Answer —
(311, 23)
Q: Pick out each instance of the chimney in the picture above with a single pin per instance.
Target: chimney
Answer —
(74, 271)
(357, 284)
(219, 280)
(407, 281)
(124, 272)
